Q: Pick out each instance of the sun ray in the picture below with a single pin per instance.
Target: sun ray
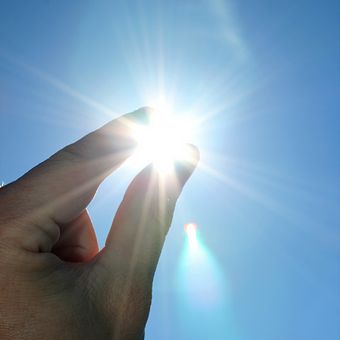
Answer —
(59, 85)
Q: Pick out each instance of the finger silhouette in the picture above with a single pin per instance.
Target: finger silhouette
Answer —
(144, 216)
(56, 192)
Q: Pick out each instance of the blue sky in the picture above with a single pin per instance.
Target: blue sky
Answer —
(264, 79)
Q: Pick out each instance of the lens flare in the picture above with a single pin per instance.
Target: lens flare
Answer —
(191, 230)
(203, 291)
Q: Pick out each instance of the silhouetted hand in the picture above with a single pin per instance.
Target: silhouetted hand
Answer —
(55, 283)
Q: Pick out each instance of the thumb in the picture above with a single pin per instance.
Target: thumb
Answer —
(142, 221)
(124, 269)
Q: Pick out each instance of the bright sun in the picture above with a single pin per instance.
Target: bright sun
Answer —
(163, 140)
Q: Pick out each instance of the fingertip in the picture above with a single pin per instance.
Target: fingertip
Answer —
(141, 115)
(186, 166)
(194, 154)
(121, 132)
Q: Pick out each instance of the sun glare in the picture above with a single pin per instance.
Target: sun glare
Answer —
(163, 140)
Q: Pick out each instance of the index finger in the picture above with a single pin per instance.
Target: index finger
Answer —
(63, 185)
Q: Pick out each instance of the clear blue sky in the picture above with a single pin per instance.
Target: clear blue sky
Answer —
(265, 76)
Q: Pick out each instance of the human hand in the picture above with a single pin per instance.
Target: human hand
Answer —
(54, 281)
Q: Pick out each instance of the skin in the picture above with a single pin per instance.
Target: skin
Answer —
(55, 283)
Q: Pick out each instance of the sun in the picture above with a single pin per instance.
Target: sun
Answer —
(163, 140)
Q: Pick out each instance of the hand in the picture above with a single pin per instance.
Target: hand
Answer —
(54, 282)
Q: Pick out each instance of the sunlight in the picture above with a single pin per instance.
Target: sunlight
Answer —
(164, 139)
